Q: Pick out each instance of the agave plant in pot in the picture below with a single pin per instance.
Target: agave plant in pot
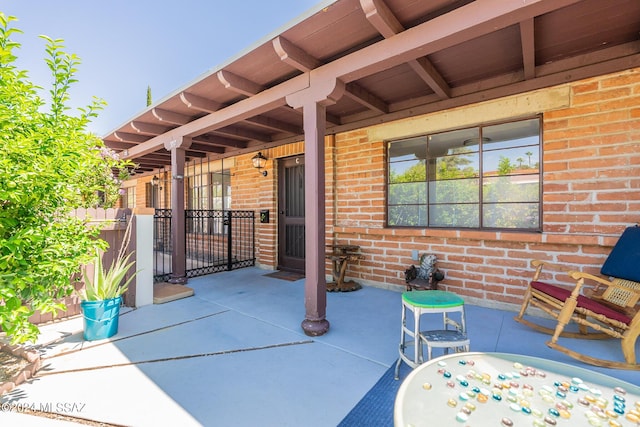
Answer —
(102, 294)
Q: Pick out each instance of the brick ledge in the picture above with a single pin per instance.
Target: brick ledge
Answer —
(34, 364)
(515, 236)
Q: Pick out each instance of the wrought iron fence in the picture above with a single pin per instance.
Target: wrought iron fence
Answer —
(216, 240)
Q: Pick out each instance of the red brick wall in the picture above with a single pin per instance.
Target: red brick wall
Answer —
(252, 191)
(591, 167)
(591, 193)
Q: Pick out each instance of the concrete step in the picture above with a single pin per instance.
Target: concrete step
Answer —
(166, 292)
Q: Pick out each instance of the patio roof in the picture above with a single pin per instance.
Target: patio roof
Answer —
(397, 58)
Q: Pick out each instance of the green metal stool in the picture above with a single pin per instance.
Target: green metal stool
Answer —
(423, 302)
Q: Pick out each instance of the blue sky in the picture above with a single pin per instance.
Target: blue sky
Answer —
(126, 45)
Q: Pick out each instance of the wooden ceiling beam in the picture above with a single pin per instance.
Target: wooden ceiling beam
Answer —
(301, 60)
(170, 117)
(133, 138)
(277, 125)
(527, 39)
(199, 103)
(236, 132)
(117, 145)
(331, 118)
(366, 98)
(214, 140)
(148, 129)
(206, 148)
(199, 154)
(158, 156)
(140, 170)
(293, 55)
(145, 161)
(238, 83)
(386, 23)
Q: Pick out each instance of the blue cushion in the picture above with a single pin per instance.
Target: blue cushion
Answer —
(624, 260)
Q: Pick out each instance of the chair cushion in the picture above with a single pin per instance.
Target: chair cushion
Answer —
(624, 260)
(562, 294)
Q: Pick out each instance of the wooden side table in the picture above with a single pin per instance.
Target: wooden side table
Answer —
(341, 256)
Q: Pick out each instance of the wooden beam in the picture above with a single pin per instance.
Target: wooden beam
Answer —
(130, 137)
(206, 148)
(116, 145)
(198, 154)
(386, 23)
(468, 22)
(366, 98)
(528, 48)
(199, 103)
(291, 54)
(236, 132)
(238, 84)
(277, 125)
(143, 161)
(432, 77)
(381, 17)
(214, 140)
(147, 128)
(158, 156)
(331, 118)
(170, 117)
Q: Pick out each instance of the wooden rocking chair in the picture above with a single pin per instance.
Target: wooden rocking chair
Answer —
(608, 310)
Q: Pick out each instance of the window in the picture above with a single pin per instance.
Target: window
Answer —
(481, 177)
(209, 192)
(128, 198)
(157, 193)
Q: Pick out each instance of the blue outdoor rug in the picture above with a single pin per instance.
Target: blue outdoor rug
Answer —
(376, 407)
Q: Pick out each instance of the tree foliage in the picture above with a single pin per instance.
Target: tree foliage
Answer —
(49, 165)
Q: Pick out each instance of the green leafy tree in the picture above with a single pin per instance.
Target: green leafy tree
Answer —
(505, 167)
(149, 102)
(49, 165)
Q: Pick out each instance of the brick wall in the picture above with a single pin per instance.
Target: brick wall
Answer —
(591, 175)
(591, 181)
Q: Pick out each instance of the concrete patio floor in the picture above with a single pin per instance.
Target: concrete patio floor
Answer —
(234, 354)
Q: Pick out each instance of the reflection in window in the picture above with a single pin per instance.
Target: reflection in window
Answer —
(209, 192)
(128, 197)
(480, 177)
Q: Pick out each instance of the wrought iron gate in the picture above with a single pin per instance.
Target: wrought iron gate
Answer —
(216, 240)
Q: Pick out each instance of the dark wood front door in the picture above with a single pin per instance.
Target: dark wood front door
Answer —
(291, 214)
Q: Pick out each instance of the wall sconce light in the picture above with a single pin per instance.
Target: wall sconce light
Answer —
(259, 162)
(155, 181)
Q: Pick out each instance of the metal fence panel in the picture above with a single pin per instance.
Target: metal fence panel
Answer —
(216, 240)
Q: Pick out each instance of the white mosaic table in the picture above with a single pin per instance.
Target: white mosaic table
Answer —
(505, 390)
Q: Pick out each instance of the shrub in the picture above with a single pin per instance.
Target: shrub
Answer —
(49, 165)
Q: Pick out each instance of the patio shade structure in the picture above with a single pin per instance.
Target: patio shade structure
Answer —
(349, 64)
